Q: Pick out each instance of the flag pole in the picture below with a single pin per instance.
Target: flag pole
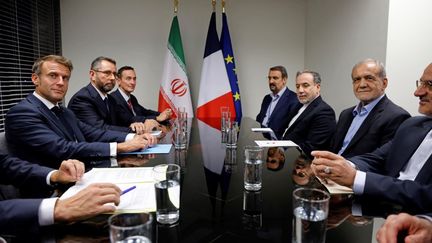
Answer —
(223, 6)
(214, 5)
(176, 6)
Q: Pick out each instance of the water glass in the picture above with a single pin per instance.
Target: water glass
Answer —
(167, 189)
(232, 135)
(225, 122)
(311, 208)
(253, 168)
(131, 228)
(252, 209)
(182, 118)
(179, 137)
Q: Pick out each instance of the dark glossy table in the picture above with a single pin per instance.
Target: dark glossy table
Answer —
(214, 205)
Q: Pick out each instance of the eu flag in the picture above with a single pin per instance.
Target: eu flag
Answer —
(228, 55)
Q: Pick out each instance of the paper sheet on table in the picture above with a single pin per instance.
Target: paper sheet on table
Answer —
(140, 199)
(156, 149)
(275, 143)
(261, 129)
(334, 188)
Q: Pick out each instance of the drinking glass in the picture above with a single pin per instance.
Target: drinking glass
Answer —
(167, 188)
(232, 135)
(311, 208)
(225, 120)
(135, 228)
(253, 168)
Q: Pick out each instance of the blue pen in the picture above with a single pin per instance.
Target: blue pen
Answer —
(128, 190)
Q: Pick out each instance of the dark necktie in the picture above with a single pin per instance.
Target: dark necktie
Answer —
(59, 112)
(129, 102)
(106, 103)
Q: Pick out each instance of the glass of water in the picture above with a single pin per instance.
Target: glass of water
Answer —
(311, 208)
(135, 228)
(167, 189)
(253, 168)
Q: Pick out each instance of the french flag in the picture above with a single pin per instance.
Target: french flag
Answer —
(215, 90)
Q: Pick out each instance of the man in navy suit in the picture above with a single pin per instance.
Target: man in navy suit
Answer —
(399, 171)
(314, 124)
(27, 215)
(92, 105)
(278, 106)
(128, 110)
(373, 122)
(411, 228)
(49, 133)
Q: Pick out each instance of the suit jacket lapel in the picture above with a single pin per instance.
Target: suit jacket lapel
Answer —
(306, 112)
(56, 124)
(374, 115)
(414, 137)
(95, 95)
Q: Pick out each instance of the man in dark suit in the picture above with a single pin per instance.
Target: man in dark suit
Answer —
(314, 124)
(278, 106)
(27, 215)
(373, 122)
(128, 110)
(399, 171)
(92, 105)
(48, 136)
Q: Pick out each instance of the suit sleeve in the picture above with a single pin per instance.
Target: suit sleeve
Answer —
(410, 194)
(374, 161)
(87, 112)
(30, 130)
(19, 215)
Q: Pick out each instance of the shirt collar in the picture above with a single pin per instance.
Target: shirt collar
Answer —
(360, 109)
(279, 94)
(123, 94)
(46, 102)
(103, 96)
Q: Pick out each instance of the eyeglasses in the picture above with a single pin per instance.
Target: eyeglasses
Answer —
(424, 83)
(107, 73)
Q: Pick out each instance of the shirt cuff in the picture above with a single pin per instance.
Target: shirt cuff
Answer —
(48, 178)
(46, 211)
(359, 182)
(425, 217)
(129, 136)
(113, 149)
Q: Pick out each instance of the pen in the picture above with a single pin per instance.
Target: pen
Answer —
(128, 190)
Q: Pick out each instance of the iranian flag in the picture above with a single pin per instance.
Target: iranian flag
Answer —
(175, 90)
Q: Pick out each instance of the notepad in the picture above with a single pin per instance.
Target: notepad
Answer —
(156, 149)
(275, 143)
(141, 199)
(334, 188)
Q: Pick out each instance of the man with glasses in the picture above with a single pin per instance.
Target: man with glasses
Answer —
(313, 125)
(40, 130)
(374, 120)
(277, 107)
(399, 171)
(92, 105)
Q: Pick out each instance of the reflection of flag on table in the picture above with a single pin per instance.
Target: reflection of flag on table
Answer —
(215, 90)
(175, 90)
(228, 55)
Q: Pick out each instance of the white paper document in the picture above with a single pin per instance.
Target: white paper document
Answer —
(334, 188)
(275, 143)
(261, 129)
(140, 199)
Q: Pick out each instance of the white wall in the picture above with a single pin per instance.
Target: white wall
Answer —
(135, 32)
(408, 49)
(340, 33)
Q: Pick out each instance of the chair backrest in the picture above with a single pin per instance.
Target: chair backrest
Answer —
(3, 144)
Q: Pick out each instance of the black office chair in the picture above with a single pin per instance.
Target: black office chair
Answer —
(6, 191)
